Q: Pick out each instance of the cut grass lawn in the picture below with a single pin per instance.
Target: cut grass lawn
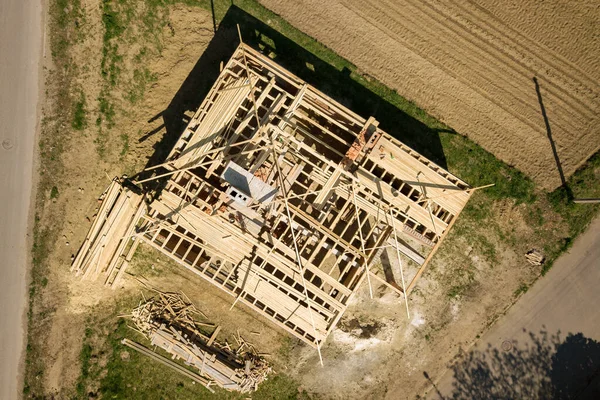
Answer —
(79, 122)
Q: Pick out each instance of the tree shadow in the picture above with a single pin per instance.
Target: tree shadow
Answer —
(337, 84)
(546, 367)
(576, 368)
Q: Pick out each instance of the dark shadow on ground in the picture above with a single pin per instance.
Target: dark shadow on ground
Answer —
(546, 367)
(563, 180)
(335, 83)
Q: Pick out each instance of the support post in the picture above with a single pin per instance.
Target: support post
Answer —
(400, 261)
(362, 242)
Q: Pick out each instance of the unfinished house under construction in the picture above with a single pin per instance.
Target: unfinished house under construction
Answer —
(283, 198)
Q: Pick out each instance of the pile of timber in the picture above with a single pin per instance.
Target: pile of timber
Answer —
(535, 257)
(167, 308)
(107, 248)
(169, 321)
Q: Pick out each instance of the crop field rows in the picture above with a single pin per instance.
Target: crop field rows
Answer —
(473, 66)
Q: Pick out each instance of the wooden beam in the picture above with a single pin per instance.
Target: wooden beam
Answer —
(399, 261)
(362, 242)
(213, 336)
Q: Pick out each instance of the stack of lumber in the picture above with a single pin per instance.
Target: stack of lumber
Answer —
(168, 322)
(535, 257)
(107, 245)
(212, 123)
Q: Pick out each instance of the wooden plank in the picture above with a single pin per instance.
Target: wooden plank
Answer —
(109, 197)
(213, 336)
(217, 119)
(392, 286)
(326, 193)
(408, 251)
(112, 231)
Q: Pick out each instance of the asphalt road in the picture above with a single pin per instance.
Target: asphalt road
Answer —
(20, 55)
(566, 300)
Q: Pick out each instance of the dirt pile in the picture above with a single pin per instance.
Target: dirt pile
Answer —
(471, 64)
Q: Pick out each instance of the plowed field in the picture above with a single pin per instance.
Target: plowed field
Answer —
(472, 63)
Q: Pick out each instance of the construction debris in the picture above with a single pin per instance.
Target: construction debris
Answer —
(168, 321)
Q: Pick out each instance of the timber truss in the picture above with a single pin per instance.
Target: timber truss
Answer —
(282, 198)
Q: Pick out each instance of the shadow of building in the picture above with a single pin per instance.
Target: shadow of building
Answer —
(336, 83)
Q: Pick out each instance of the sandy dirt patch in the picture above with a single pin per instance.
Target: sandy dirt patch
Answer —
(378, 351)
(67, 299)
(471, 64)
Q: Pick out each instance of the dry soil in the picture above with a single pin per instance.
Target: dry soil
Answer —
(87, 173)
(471, 64)
(557, 305)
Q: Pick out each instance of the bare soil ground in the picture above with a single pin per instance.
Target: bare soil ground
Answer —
(66, 300)
(471, 64)
(380, 352)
